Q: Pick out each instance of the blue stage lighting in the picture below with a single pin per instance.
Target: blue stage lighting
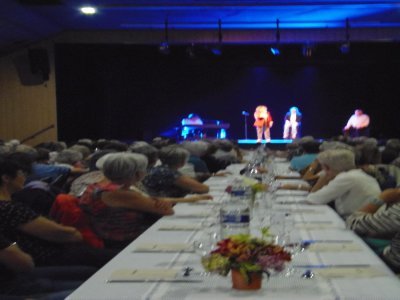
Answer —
(275, 51)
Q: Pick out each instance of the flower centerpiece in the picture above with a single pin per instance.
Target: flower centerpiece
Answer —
(246, 255)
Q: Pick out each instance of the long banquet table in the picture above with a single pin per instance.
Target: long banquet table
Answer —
(343, 266)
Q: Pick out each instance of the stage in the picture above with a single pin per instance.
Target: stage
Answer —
(273, 141)
(276, 144)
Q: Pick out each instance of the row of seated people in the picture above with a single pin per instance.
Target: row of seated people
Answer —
(341, 182)
(106, 206)
(361, 181)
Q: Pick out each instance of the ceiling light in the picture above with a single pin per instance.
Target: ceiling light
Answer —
(88, 10)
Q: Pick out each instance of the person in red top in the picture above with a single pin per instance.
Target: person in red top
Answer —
(263, 123)
(117, 210)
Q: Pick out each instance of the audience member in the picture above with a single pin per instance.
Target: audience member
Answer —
(378, 222)
(309, 150)
(49, 243)
(117, 199)
(21, 279)
(167, 181)
(349, 188)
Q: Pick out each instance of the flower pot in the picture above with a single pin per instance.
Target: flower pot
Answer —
(239, 282)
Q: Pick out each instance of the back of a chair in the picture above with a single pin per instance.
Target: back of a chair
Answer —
(66, 211)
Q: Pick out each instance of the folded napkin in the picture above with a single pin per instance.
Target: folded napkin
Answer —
(164, 247)
(291, 193)
(297, 210)
(140, 275)
(316, 226)
(201, 214)
(333, 247)
(352, 272)
(291, 200)
(291, 197)
(179, 227)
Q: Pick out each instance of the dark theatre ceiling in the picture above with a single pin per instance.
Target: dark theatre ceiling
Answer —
(25, 22)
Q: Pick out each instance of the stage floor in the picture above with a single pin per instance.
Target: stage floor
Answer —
(273, 141)
(275, 144)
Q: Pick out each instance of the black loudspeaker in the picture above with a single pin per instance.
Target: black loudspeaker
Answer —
(34, 67)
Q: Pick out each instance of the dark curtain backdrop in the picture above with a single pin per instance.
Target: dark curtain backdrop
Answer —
(133, 92)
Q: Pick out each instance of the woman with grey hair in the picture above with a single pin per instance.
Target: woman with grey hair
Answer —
(146, 149)
(118, 212)
(69, 157)
(197, 149)
(167, 181)
(341, 182)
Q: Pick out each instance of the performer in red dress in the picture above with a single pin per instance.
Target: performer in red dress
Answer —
(263, 122)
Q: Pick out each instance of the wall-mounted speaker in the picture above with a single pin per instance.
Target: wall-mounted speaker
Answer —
(33, 67)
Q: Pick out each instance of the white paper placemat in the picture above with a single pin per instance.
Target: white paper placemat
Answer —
(334, 247)
(364, 272)
(315, 226)
(164, 247)
(179, 227)
(145, 275)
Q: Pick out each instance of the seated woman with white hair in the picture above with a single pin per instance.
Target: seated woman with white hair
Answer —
(118, 212)
(167, 181)
(341, 182)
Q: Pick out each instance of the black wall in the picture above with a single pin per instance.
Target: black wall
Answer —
(133, 92)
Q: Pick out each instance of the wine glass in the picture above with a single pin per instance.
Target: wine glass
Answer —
(211, 228)
(202, 247)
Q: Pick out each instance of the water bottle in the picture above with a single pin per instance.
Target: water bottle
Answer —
(235, 213)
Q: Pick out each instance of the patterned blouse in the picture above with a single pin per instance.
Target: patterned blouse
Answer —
(160, 182)
(113, 223)
(13, 215)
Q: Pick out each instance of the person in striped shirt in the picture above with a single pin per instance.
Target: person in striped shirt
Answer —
(380, 219)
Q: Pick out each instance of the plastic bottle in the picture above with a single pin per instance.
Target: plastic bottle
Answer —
(235, 212)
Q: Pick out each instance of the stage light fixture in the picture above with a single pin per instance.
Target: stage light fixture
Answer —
(307, 50)
(217, 49)
(164, 46)
(345, 47)
(191, 51)
(275, 49)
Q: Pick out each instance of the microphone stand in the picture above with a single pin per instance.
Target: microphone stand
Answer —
(245, 115)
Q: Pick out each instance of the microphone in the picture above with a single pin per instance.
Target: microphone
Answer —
(245, 113)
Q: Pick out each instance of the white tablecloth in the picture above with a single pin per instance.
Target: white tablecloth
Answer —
(318, 224)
